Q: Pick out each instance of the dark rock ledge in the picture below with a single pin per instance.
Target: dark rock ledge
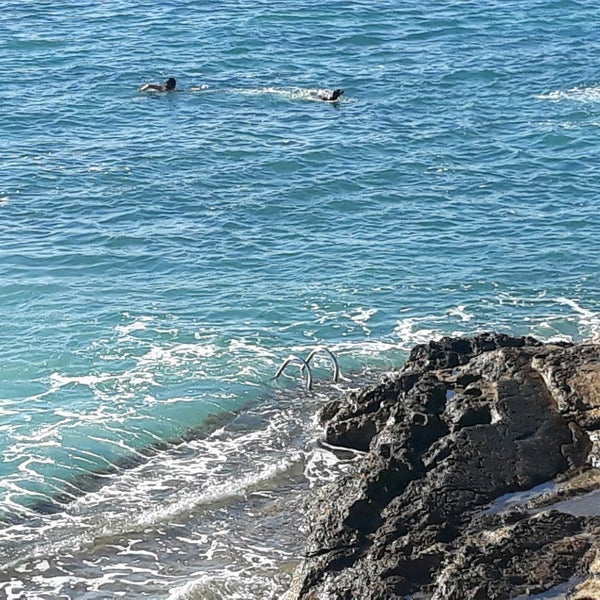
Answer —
(464, 423)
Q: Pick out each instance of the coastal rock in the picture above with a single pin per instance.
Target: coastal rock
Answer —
(466, 422)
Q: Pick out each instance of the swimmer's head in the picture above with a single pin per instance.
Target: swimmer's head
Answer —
(170, 84)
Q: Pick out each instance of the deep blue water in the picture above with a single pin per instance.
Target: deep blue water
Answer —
(162, 254)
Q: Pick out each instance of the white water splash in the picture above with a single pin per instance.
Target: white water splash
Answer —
(577, 94)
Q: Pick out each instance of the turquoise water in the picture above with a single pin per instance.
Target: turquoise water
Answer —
(162, 254)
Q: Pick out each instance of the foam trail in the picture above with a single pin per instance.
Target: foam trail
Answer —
(577, 94)
(589, 319)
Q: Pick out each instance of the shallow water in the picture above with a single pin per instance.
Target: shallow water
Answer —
(162, 254)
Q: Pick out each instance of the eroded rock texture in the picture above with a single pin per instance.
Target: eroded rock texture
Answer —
(465, 422)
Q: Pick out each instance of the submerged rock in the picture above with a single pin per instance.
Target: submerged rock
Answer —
(465, 422)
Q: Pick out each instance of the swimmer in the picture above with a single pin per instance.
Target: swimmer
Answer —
(167, 86)
(328, 96)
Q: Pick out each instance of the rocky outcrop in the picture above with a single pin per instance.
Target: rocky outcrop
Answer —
(466, 422)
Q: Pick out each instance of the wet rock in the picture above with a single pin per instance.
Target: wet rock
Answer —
(466, 421)
(528, 557)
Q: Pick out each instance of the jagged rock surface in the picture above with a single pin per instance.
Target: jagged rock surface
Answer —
(466, 421)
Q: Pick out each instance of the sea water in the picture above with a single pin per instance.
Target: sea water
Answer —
(161, 255)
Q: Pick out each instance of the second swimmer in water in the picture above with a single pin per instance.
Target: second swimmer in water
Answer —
(167, 86)
(328, 96)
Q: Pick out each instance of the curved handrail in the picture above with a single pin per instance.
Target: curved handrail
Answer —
(336, 366)
(293, 358)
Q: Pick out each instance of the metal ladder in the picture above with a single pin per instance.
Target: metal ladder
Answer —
(305, 365)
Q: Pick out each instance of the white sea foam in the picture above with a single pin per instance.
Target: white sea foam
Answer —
(578, 94)
(138, 324)
(59, 380)
(461, 313)
(362, 317)
(410, 332)
(323, 464)
(177, 355)
(239, 461)
(589, 320)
